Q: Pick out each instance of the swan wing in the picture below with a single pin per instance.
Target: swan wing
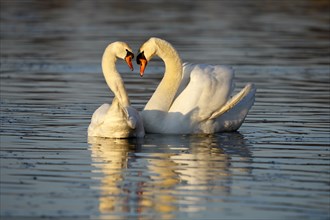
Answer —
(232, 115)
(132, 116)
(186, 71)
(249, 89)
(206, 91)
(98, 118)
(134, 121)
(100, 114)
(109, 121)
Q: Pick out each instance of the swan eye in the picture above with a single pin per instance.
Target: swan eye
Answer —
(129, 54)
(139, 57)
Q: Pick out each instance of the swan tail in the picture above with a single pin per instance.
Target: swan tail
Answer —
(248, 90)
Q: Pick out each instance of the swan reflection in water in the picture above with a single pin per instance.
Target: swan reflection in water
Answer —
(110, 156)
(159, 175)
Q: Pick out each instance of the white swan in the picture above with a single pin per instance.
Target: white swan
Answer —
(119, 120)
(192, 98)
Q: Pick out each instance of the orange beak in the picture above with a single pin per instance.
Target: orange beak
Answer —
(143, 64)
(128, 60)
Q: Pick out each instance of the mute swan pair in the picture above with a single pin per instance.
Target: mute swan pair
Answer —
(190, 99)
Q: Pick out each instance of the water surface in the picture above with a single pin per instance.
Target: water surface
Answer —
(275, 167)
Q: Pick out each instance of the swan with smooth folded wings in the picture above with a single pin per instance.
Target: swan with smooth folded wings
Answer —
(120, 119)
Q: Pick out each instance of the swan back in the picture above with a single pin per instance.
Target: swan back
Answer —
(208, 90)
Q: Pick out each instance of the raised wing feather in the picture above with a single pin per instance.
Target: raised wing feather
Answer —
(206, 91)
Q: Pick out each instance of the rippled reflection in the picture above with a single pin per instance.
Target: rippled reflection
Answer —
(111, 156)
(51, 82)
(191, 172)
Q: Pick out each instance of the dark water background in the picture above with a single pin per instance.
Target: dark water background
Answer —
(275, 167)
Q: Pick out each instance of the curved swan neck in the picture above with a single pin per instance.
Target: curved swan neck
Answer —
(112, 77)
(163, 96)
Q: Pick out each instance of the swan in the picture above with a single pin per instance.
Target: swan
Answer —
(192, 98)
(118, 120)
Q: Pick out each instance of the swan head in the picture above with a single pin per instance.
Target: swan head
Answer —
(123, 51)
(146, 52)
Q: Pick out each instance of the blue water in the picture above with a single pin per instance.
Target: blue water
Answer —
(275, 167)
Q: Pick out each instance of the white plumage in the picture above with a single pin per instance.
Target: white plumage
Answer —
(192, 98)
(118, 120)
